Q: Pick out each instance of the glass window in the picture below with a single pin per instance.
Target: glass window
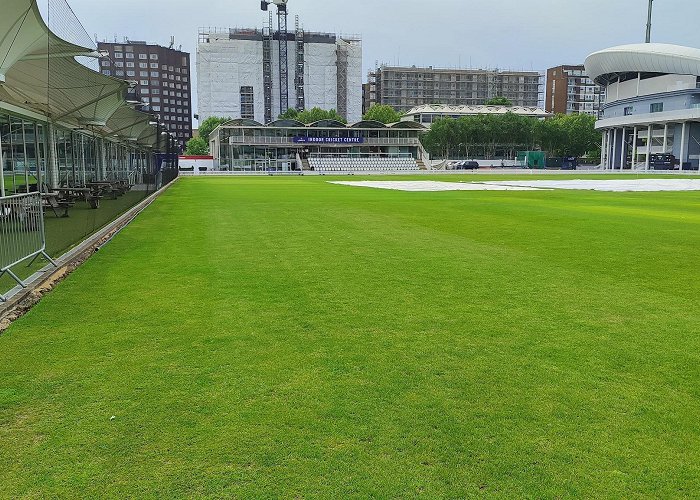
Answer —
(143, 65)
(118, 55)
(129, 64)
(656, 107)
(154, 74)
(131, 73)
(154, 65)
(119, 73)
(129, 55)
(143, 56)
(154, 57)
(106, 72)
(119, 64)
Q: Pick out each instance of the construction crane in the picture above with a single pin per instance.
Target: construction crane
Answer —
(283, 57)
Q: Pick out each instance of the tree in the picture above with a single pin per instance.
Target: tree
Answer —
(490, 135)
(568, 135)
(206, 127)
(196, 147)
(290, 114)
(581, 134)
(499, 101)
(382, 113)
(316, 114)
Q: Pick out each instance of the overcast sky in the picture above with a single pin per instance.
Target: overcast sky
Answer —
(507, 34)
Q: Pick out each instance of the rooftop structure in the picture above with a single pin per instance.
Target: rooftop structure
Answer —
(428, 113)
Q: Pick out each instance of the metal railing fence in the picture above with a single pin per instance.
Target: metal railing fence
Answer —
(22, 234)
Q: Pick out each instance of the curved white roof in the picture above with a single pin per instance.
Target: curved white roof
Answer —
(644, 58)
(477, 110)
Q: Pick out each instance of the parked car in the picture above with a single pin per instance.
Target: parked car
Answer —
(466, 165)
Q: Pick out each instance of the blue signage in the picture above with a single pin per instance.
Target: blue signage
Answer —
(329, 140)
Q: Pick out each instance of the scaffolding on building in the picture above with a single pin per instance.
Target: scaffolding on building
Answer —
(299, 78)
(283, 57)
(342, 100)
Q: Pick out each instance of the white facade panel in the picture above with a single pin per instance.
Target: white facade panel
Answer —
(321, 76)
(354, 81)
(223, 67)
(666, 83)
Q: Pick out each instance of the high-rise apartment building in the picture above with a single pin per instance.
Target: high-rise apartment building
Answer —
(570, 91)
(161, 79)
(404, 88)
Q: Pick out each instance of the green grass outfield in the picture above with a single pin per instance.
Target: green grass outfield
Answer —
(285, 337)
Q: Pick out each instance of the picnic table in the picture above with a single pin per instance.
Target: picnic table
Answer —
(54, 202)
(100, 188)
(87, 194)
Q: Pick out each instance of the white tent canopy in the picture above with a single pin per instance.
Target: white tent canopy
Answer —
(39, 73)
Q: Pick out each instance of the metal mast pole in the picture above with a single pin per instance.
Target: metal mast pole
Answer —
(267, 70)
(284, 65)
(651, 8)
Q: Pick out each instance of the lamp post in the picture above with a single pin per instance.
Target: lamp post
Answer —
(651, 8)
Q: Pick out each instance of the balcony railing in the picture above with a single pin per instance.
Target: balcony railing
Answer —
(371, 141)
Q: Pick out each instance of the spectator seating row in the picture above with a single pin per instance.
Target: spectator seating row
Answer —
(363, 164)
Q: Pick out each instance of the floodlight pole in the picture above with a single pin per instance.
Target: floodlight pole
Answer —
(651, 8)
